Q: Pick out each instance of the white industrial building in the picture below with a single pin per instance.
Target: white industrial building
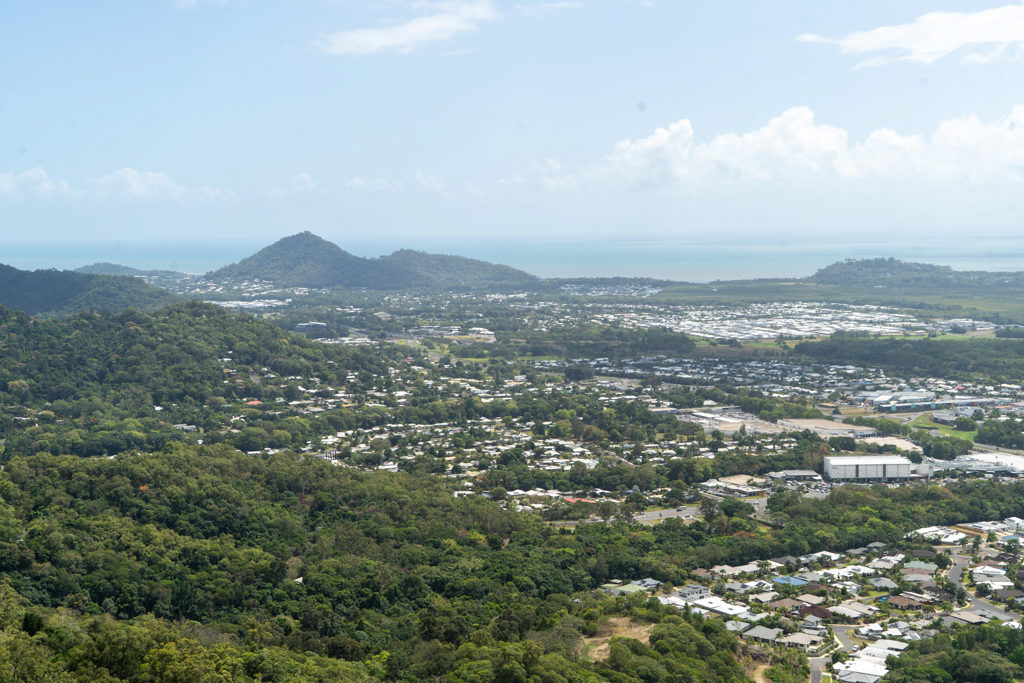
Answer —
(828, 428)
(867, 468)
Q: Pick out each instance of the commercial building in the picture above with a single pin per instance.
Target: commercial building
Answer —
(867, 468)
(828, 428)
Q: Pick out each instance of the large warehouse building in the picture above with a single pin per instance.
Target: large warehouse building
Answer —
(829, 428)
(867, 468)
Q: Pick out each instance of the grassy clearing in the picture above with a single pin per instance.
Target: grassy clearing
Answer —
(925, 421)
(595, 648)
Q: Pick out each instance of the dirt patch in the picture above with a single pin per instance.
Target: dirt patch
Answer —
(757, 673)
(596, 647)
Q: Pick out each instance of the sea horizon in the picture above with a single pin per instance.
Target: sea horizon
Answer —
(667, 259)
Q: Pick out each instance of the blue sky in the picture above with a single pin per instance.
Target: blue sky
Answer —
(437, 123)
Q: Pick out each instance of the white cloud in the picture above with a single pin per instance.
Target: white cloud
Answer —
(302, 183)
(446, 21)
(935, 35)
(149, 185)
(431, 183)
(33, 182)
(794, 148)
(373, 184)
(660, 156)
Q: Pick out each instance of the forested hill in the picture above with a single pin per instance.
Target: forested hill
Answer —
(302, 260)
(305, 260)
(105, 268)
(62, 292)
(890, 272)
(99, 384)
(442, 270)
(205, 564)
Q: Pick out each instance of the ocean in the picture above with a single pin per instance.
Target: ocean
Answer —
(669, 259)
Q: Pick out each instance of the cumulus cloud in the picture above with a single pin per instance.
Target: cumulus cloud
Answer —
(794, 147)
(430, 182)
(302, 183)
(148, 185)
(935, 35)
(445, 21)
(360, 184)
(34, 182)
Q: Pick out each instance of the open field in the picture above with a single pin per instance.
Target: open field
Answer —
(925, 421)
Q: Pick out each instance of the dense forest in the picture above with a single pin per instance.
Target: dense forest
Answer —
(299, 556)
(98, 384)
(56, 293)
(1000, 360)
(207, 557)
(974, 654)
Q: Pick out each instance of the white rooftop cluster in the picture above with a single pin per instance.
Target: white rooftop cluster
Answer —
(765, 320)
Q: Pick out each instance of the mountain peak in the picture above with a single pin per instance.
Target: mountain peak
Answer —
(307, 260)
(300, 260)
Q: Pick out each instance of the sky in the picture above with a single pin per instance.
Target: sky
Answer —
(452, 123)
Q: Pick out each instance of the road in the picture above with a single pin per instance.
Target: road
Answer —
(956, 576)
(957, 570)
(842, 632)
(818, 664)
(996, 449)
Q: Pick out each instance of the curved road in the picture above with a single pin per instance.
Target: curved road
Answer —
(960, 562)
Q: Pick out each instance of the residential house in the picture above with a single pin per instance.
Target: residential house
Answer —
(901, 602)
(762, 598)
(786, 604)
(811, 599)
(883, 583)
(763, 634)
(802, 641)
(693, 591)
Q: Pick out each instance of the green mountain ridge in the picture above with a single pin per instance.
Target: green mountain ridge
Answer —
(56, 293)
(107, 268)
(306, 260)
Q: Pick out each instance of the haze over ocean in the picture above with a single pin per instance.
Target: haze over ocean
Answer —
(669, 259)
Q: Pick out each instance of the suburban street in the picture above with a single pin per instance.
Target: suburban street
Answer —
(842, 632)
(956, 576)
(818, 664)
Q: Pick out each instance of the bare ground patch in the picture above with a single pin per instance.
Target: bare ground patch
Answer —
(596, 647)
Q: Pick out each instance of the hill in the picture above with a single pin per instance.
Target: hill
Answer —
(306, 260)
(302, 260)
(445, 271)
(105, 268)
(885, 271)
(100, 384)
(55, 293)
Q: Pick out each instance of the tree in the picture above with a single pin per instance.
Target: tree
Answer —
(708, 507)
(964, 424)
